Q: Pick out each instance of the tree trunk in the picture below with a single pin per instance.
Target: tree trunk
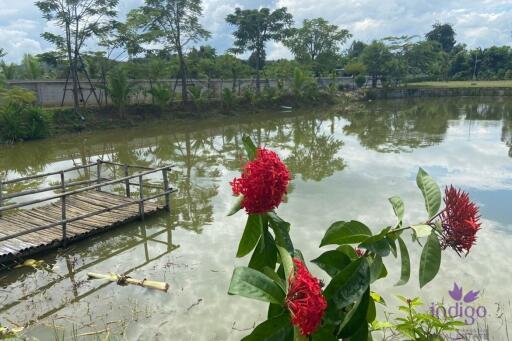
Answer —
(72, 69)
(258, 64)
(183, 74)
(374, 81)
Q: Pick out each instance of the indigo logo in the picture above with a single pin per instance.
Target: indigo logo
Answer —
(463, 306)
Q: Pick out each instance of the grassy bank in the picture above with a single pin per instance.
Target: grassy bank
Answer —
(462, 84)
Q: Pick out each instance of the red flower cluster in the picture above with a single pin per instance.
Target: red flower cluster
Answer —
(305, 300)
(460, 220)
(263, 183)
(359, 252)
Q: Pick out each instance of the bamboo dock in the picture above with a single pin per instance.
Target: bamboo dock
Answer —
(76, 210)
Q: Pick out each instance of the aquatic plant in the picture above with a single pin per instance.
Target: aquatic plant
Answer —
(345, 309)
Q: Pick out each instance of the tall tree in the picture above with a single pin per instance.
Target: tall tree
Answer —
(256, 27)
(444, 34)
(79, 20)
(316, 40)
(174, 24)
(376, 57)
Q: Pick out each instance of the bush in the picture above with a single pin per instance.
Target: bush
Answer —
(360, 80)
(228, 99)
(197, 97)
(161, 95)
(20, 119)
(119, 89)
(303, 86)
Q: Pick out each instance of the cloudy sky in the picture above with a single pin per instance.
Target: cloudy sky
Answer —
(477, 22)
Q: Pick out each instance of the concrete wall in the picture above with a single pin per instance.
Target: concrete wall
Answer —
(436, 92)
(50, 92)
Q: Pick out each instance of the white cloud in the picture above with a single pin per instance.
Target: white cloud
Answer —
(477, 22)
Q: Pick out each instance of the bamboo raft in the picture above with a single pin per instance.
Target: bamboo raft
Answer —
(32, 226)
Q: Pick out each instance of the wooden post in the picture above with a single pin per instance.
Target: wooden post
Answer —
(166, 188)
(127, 182)
(141, 195)
(98, 174)
(62, 183)
(64, 224)
(1, 194)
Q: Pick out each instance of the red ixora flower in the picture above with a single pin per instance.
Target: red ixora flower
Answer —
(460, 220)
(305, 300)
(263, 183)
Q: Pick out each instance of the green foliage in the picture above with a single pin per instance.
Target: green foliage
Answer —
(32, 67)
(360, 80)
(197, 95)
(355, 68)
(304, 86)
(119, 88)
(414, 325)
(443, 34)
(351, 312)
(20, 119)
(161, 95)
(228, 99)
(317, 42)
(255, 27)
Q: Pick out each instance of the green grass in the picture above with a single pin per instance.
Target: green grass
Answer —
(462, 84)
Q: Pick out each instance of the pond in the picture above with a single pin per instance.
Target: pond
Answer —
(345, 166)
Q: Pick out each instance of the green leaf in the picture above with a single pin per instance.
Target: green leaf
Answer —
(350, 284)
(237, 206)
(251, 235)
(348, 250)
(430, 260)
(371, 314)
(343, 232)
(250, 147)
(431, 192)
(377, 269)
(392, 246)
(378, 246)
(421, 230)
(332, 262)
(325, 333)
(265, 254)
(398, 207)
(355, 317)
(405, 273)
(287, 262)
(274, 310)
(281, 230)
(274, 329)
(377, 298)
(251, 283)
(361, 334)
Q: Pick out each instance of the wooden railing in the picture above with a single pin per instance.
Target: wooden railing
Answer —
(99, 183)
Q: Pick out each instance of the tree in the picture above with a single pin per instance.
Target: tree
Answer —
(256, 27)
(32, 67)
(80, 20)
(316, 40)
(376, 56)
(232, 67)
(174, 24)
(355, 49)
(2, 53)
(444, 34)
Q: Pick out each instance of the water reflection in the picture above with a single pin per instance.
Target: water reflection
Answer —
(346, 163)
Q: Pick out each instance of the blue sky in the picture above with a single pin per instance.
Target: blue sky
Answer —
(477, 22)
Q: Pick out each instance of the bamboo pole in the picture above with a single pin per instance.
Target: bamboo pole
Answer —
(123, 280)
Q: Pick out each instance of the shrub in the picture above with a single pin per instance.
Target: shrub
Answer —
(228, 99)
(119, 89)
(300, 307)
(20, 119)
(197, 97)
(303, 86)
(360, 80)
(162, 95)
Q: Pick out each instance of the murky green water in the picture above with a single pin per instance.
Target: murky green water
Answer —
(345, 166)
